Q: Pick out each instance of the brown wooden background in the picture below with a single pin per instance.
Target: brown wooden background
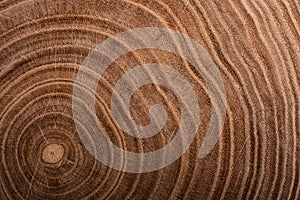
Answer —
(255, 44)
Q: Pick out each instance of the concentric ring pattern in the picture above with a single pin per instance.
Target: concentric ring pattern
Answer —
(255, 45)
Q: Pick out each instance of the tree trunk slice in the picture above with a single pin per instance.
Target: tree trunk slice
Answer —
(255, 45)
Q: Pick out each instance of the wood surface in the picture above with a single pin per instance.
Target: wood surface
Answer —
(255, 45)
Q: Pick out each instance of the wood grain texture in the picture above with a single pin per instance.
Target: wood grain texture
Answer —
(255, 45)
